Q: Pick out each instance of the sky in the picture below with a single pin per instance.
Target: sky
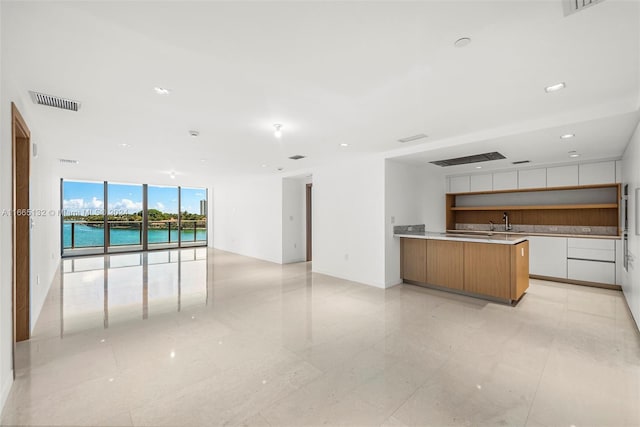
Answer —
(87, 198)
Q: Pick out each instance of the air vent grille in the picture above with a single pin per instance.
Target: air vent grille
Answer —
(54, 101)
(476, 158)
(573, 6)
(69, 161)
(297, 157)
(412, 138)
(521, 162)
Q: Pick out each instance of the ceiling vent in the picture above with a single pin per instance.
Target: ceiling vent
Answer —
(412, 138)
(521, 162)
(54, 101)
(297, 157)
(476, 158)
(69, 161)
(573, 6)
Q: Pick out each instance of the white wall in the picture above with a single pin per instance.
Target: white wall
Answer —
(247, 216)
(45, 249)
(348, 220)
(413, 195)
(294, 220)
(631, 176)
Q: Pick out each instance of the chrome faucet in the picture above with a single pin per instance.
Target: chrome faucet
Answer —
(491, 226)
(507, 225)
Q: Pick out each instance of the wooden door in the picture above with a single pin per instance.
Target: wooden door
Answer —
(21, 165)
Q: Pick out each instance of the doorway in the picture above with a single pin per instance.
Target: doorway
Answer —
(21, 171)
(309, 218)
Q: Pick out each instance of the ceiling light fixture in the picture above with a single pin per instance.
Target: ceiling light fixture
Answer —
(573, 154)
(278, 130)
(161, 90)
(462, 42)
(478, 167)
(567, 136)
(344, 144)
(264, 165)
(194, 133)
(555, 87)
(172, 175)
(203, 160)
(125, 145)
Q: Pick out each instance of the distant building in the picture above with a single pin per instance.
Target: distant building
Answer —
(203, 207)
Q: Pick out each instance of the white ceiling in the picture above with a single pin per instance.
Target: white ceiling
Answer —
(362, 73)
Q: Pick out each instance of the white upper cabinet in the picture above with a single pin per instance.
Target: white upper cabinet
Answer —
(597, 173)
(562, 176)
(505, 180)
(459, 184)
(481, 182)
(532, 178)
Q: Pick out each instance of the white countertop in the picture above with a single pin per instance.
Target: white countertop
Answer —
(493, 238)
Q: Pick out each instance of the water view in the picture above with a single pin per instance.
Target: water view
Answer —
(173, 214)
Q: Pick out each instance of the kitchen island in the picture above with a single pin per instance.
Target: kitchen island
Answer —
(488, 266)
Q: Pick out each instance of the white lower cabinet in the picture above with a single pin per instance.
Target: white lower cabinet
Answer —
(592, 271)
(548, 256)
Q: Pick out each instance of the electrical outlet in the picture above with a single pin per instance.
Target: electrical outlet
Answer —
(393, 220)
(409, 228)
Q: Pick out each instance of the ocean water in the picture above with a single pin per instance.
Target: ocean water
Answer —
(91, 236)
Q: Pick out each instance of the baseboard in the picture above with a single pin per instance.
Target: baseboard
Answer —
(6, 388)
(373, 285)
(577, 282)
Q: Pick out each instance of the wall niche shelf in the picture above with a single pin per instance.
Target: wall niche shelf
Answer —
(587, 206)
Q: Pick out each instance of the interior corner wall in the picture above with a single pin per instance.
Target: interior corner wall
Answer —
(413, 195)
(6, 326)
(45, 231)
(631, 176)
(247, 216)
(293, 220)
(348, 220)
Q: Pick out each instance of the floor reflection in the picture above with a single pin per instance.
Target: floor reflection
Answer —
(100, 291)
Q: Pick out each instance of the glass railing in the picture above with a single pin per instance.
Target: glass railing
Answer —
(125, 233)
(162, 232)
(194, 230)
(83, 234)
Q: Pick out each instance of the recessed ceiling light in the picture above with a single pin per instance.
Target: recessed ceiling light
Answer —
(161, 90)
(462, 42)
(344, 144)
(125, 145)
(555, 87)
(567, 135)
(280, 169)
(478, 167)
(172, 175)
(278, 130)
(194, 133)
(203, 160)
(264, 165)
(573, 154)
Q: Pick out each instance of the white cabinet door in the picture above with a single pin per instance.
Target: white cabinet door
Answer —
(505, 180)
(592, 271)
(548, 256)
(592, 249)
(481, 182)
(597, 173)
(532, 178)
(562, 176)
(460, 184)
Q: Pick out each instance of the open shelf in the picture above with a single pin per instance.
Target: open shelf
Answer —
(535, 207)
(588, 206)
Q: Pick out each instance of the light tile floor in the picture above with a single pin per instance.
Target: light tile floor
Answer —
(204, 337)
